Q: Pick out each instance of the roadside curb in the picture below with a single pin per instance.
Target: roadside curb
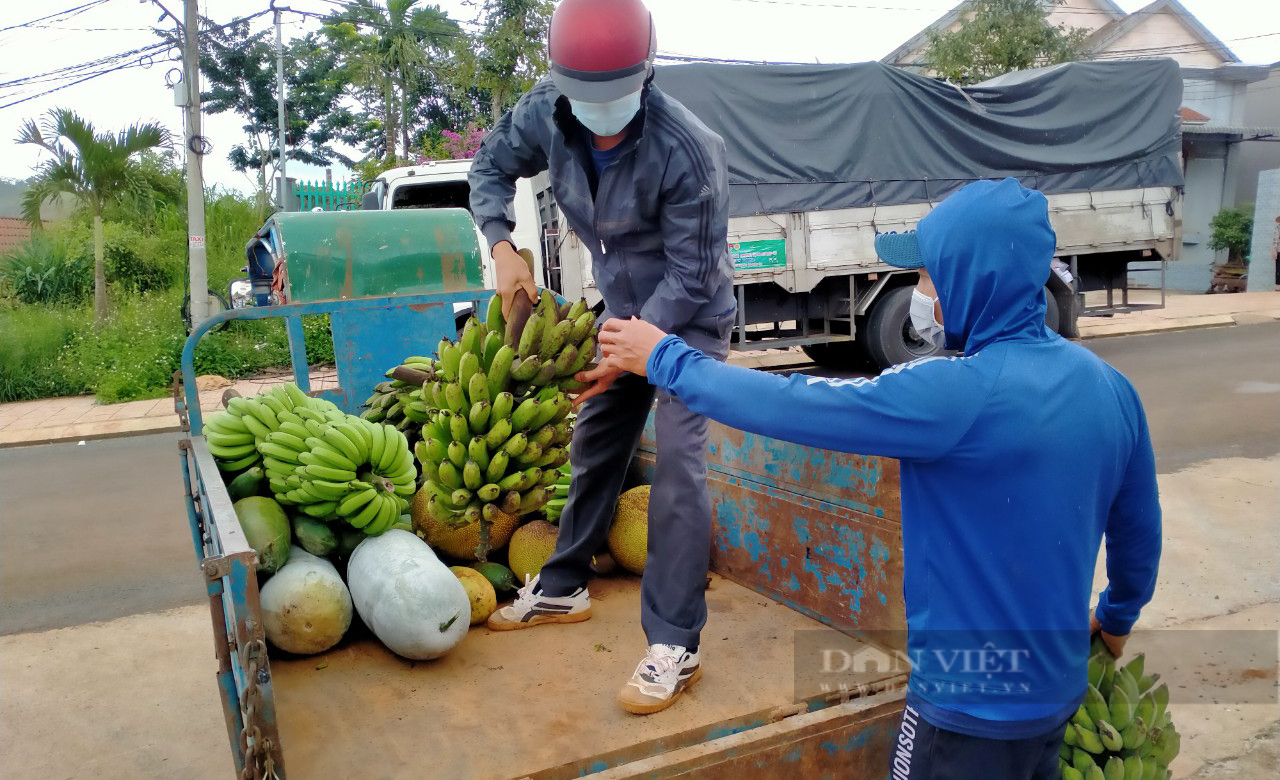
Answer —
(89, 432)
(1112, 330)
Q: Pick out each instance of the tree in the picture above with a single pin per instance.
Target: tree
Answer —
(511, 53)
(1232, 230)
(240, 68)
(95, 169)
(398, 57)
(1002, 36)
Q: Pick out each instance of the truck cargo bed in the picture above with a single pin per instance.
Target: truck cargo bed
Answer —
(508, 704)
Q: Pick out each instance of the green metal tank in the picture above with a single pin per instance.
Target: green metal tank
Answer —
(339, 255)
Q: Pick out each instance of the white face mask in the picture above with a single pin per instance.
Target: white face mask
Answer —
(923, 321)
(607, 118)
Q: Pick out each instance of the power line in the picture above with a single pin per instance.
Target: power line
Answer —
(67, 14)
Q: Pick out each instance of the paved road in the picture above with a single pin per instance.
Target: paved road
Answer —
(98, 531)
(92, 532)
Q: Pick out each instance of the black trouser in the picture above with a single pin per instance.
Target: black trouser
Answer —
(926, 752)
(673, 605)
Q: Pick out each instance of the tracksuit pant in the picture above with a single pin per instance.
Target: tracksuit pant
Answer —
(607, 432)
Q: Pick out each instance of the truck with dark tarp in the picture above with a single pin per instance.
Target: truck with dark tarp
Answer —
(823, 157)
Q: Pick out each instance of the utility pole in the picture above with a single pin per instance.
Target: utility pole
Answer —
(195, 177)
(284, 181)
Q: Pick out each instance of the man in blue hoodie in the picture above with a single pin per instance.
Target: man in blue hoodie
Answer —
(1018, 456)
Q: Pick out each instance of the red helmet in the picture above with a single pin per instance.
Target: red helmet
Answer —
(600, 50)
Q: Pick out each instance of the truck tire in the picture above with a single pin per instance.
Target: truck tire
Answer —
(888, 337)
(1052, 311)
(836, 354)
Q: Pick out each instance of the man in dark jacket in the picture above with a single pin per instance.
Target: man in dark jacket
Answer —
(644, 185)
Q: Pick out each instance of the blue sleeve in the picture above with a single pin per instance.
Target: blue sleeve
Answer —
(916, 411)
(1133, 540)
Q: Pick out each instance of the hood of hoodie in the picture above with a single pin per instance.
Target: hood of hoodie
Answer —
(988, 248)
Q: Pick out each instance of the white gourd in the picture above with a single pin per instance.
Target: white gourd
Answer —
(306, 608)
(407, 597)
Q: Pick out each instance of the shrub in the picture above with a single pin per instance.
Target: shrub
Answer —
(47, 269)
(34, 362)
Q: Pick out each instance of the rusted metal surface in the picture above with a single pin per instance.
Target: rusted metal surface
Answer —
(862, 483)
(626, 761)
(853, 740)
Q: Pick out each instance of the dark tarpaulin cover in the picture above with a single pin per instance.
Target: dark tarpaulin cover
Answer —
(811, 137)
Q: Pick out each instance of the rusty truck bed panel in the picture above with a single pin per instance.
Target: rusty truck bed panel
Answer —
(505, 705)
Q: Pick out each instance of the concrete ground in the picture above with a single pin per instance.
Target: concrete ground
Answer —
(96, 533)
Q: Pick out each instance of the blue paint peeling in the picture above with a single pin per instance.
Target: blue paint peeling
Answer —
(883, 600)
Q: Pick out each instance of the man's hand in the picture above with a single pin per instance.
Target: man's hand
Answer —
(512, 275)
(601, 378)
(628, 343)
(1114, 643)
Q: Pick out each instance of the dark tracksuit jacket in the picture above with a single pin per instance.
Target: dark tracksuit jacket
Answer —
(656, 222)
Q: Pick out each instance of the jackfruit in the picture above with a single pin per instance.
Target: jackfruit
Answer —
(629, 535)
(461, 542)
(531, 546)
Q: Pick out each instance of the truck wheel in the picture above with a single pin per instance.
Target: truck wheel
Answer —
(836, 354)
(1052, 312)
(888, 337)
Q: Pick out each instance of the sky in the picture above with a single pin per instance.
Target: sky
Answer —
(773, 30)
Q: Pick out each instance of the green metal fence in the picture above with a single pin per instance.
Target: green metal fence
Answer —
(329, 196)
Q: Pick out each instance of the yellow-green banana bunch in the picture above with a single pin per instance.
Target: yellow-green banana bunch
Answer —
(556, 342)
(350, 470)
(399, 403)
(1123, 730)
(491, 442)
(559, 495)
(233, 435)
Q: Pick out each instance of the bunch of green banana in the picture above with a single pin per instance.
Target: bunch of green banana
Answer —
(484, 449)
(560, 496)
(233, 435)
(349, 469)
(554, 343)
(1123, 730)
(399, 403)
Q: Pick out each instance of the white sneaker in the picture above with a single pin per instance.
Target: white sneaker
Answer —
(532, 607)
(665, 673)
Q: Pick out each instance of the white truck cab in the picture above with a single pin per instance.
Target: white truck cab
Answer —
(443, 184)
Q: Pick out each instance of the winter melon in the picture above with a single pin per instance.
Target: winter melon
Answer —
(306, 608)
(266, 528)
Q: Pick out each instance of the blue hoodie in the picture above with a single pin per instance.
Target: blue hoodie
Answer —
(1017, 456)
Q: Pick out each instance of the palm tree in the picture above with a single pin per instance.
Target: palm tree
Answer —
(94, 169)
(395, 54)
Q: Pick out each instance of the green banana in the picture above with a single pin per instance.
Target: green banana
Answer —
(498, 433)
(472, 475)
(554, 340)
(493, 320)
(459, 429)
(320, 510)
(238, 465)
(355, 501)
(489, 493)
(1114, 769)
(511, 481)
(1134, 736)
(1110, 736)
(1088, 740)
(478, 388)
(478, 419)
(511, 502)
(526, 369)
(1120, 708)
(454, 399)
(1071, 773)
(457, 453)
(546, 411)
(461, 497)
(367, 514)
(544, 436)
(1135, 667)
(437, 450)
(478, 452)
(516, 445)
(499, 369)
(530, 456)
(468, 366)
(577, 309)
(544, 375)
(529, 479)
(497, 468)
(327, 474)
(503, 403)
(1081, 759)
(531, 339)
(532, 501)
(1096, 704)
(523, 416)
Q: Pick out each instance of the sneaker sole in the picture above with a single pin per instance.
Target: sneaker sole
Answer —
(536, 620)
(648, 709)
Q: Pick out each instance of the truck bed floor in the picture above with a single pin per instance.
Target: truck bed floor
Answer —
(503, 705)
